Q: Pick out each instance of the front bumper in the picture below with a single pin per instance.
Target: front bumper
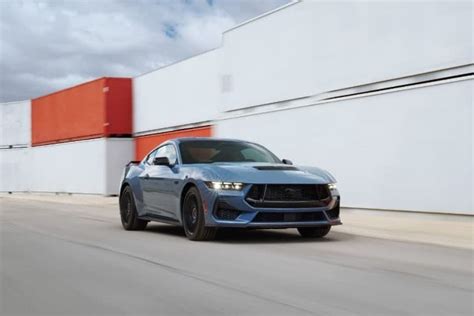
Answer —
(247, 216)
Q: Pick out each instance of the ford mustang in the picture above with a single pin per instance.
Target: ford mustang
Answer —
(203, 184)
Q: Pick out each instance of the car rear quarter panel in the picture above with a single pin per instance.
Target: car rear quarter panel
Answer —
(132, 179)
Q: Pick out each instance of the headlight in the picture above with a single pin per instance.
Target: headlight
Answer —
(217, 185)
(332, 186)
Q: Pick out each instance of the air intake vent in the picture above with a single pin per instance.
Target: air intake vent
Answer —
(276, 168)
(226, 212)
(270, 217)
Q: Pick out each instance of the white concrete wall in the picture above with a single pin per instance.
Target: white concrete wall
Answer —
(15, 171)
(318, 46)
(119, 152)
(90, 166)
(76, 167)
(15, 124)
(406, 150)
(183, 93)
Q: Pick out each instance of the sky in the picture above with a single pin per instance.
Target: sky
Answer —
(49, 45)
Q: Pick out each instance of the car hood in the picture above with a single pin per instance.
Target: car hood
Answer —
(260, 173)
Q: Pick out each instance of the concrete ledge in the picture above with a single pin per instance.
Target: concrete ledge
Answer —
(66, 198)
(431, 228)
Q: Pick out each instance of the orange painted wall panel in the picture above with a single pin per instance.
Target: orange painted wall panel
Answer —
(98, 108)
(144, 144)
(119, 106)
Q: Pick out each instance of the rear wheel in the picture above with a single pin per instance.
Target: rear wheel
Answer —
(128, 212)
(193, 217)
(314, 232)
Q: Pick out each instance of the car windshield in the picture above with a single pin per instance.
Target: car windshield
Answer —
(212, 151)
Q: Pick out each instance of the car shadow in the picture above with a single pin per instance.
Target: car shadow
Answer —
(269, 236)
(252, 236)
(166, 229)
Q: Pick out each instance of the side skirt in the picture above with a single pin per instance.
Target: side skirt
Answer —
(158, 218)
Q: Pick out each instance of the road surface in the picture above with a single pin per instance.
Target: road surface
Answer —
(66, 259)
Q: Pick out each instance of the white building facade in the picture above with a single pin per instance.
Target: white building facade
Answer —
(380, 93)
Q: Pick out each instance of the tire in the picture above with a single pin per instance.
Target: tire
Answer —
(128, 212)
(314, 232)
(193, 217)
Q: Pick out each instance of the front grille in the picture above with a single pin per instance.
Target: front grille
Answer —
(289, 195)
(273, 217)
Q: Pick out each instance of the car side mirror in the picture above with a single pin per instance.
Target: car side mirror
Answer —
(161, 161)
(287, 162)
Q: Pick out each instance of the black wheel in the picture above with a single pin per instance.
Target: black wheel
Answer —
(128, 212)
(193, 217)
(314, 232)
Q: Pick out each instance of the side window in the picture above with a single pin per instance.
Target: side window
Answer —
(171, 154)
(161, 152)
(167, 151)
(150, 158)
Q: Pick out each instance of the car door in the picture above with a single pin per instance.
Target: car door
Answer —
(162, 184)
(147, 185)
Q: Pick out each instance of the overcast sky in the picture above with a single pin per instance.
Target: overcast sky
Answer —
(49, 45)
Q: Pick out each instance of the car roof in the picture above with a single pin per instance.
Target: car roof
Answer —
(186, 139)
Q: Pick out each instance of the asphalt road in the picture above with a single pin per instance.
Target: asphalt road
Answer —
(61, 259)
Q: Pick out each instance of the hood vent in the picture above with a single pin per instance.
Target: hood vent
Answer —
(271, 168)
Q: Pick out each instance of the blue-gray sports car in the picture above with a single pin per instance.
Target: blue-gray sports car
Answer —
(202, 184)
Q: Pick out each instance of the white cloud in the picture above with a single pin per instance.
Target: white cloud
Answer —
(49, 45)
